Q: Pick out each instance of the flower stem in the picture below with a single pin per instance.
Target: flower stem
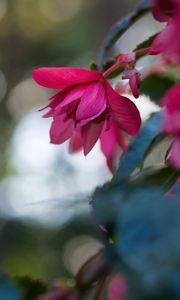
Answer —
(117, 31)
(112, 69)
(100, 287)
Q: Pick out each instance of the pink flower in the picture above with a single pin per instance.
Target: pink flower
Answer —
(117, 288)
(167, 41)
(87, 108)
(163, 10)
(171, 123)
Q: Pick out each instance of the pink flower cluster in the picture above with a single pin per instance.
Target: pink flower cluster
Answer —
(171, 125)
(167, 42)
(86, 109)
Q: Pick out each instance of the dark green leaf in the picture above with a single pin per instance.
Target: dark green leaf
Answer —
(135, 154)
(148, 242)
(31, 288)
(155, 86)
(105, 201)
(163, 177)
(147, 43)
(93, 66)
(155, 142)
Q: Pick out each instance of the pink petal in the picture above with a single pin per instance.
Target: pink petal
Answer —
(109, 140)
(90, 134)
(171, 123)
(174, 154)
(172, 99)
(124, 112)
(54, 102)
(109, 147)
(160, 42)
(73, 95)
(93, 102)
(76, 143)
(61, 130)
(122, 141)
(117, 288)
(164, 9)
(60, 78)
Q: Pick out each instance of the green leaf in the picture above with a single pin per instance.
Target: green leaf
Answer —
(155, 142)
(164, 177)
(93, 67)
(146, 44)
(155, 86)
(8, 289)
(105, 200)
(31, 288)
(135, 154)
(147, 240)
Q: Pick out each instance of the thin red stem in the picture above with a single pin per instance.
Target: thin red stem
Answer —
(100, 287)
(112, 69)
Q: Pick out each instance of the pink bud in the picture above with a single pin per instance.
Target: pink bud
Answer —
(117, 288)
(134, 83)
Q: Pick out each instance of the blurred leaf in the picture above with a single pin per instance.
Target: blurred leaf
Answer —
(31, 288)
(135, 154)
(149, 244)
(147, 43)
(145, 4)
(163, 177)
(93, 66)
(155, 142)
(155, 86)
(104, 203)
(8, 290)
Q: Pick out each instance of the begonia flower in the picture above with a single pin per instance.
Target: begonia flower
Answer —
(171, 124)
(87, 108)
(167, 41)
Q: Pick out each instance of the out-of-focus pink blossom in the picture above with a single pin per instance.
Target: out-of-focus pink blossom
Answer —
(87, 108)
(117, 288)
(171, 123)
(163, 10)
(167, 41)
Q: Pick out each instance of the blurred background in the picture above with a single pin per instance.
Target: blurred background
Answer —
(46, 230)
